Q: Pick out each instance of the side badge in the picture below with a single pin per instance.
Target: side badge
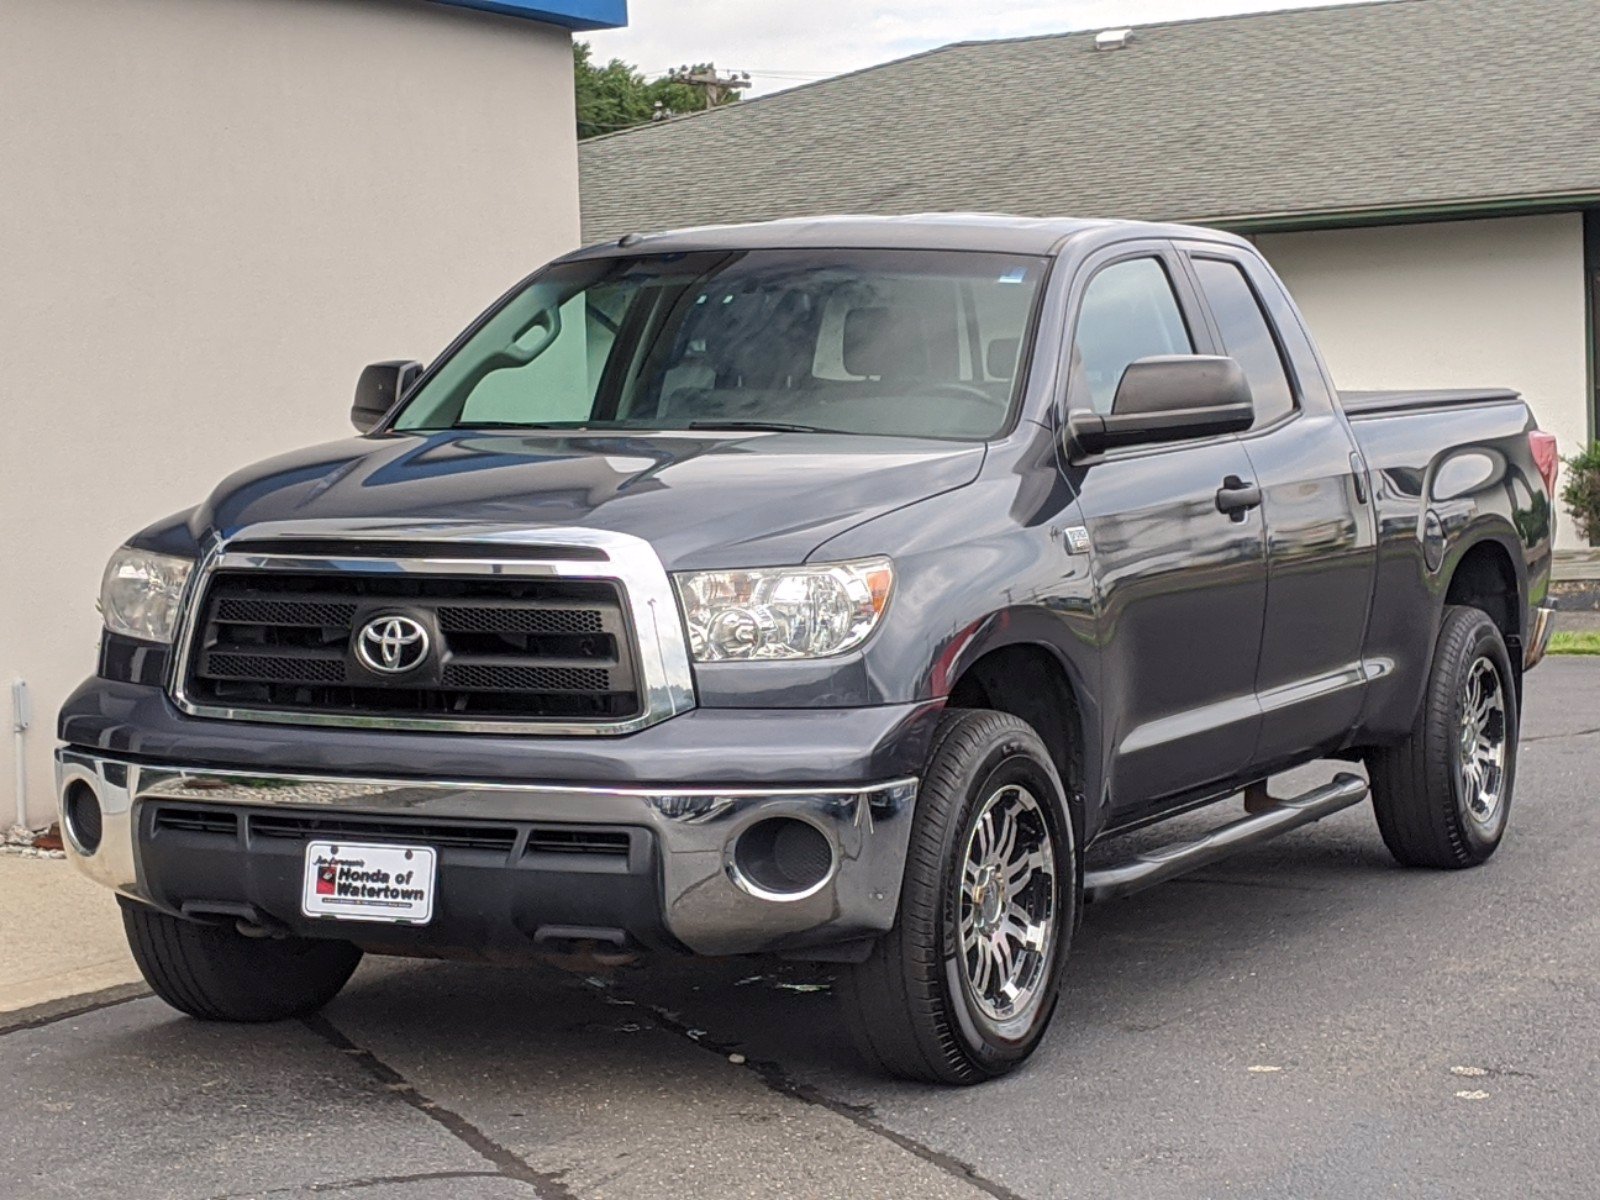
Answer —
(1077, 539)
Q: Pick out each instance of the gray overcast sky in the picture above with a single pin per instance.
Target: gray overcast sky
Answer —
(785, 42)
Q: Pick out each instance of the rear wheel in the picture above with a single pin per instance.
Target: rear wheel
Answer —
(216, 974)
(964, 986)
(1443, 795)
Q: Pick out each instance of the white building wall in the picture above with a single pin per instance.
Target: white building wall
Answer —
(213, 213)
(1455, 304)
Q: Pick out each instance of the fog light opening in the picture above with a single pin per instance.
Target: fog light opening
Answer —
(80, 809)
(782, 858)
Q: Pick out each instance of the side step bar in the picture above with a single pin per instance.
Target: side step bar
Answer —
(1157, 866)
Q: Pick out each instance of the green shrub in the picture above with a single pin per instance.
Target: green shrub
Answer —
(1581, 492)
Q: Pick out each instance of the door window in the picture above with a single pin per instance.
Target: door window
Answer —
(1247, 337)
(1128, 312)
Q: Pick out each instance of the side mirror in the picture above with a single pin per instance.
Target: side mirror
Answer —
(1167, 398)
(379, 389)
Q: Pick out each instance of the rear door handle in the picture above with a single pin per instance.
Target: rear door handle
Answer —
(1236, 497)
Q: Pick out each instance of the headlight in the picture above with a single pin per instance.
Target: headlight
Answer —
(783, 612)
(140, 593)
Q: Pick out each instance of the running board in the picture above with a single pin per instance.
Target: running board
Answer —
(1157, 866)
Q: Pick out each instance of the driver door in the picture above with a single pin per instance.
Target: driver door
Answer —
(1181, 585)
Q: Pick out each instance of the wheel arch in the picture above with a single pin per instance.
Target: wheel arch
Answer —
(1485, 576)
(1031, 681)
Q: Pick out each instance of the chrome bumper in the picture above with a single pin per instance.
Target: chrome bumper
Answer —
(1544, 621)
(706, 902)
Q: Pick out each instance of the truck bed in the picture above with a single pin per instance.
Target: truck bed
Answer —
(1368, 403)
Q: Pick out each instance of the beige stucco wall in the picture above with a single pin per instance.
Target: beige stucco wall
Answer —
(212, 214)
(1455, 304)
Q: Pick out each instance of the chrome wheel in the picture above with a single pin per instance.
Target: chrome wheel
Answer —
(1482, 752)
(1008, 904)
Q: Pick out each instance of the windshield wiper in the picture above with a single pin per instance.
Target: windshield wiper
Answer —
(518, 425)
(759, 427)
(732, 426)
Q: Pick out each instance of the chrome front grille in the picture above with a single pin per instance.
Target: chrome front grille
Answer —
(543, 630)
(499, 646)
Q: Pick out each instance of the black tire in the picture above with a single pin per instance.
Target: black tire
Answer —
(1424, 804)
(216, 974)
(911, 1006)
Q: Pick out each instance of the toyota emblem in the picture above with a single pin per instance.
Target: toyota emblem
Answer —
(392, 645)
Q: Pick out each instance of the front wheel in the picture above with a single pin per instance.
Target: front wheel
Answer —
(213, 973)
(1443, 795)
(964, 986)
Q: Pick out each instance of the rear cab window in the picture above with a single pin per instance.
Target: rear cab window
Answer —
(1247, 336)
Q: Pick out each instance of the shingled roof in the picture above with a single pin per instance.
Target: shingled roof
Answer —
(1297, 118)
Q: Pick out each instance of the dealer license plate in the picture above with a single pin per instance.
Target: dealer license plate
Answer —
(355, 881)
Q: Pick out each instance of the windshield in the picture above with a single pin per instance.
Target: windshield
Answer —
(897, 342)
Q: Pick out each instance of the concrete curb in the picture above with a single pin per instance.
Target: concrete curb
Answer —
(67, 1007)
(1577, 566)
(61, 935)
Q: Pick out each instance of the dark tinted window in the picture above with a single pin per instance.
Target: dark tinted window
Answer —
(1128, 312)
(1247, 336)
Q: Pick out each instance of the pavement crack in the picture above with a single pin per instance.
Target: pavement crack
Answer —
(545, 1184)
(861, 1115)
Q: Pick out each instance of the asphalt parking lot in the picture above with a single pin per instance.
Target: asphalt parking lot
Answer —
(1306, 1020)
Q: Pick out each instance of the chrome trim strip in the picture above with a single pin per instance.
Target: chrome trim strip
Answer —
(267, 788)
(661, 647)
(868, 828)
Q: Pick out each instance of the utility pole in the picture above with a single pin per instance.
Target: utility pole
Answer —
(718, 88)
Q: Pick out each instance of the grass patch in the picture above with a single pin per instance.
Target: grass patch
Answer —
(1569, 642)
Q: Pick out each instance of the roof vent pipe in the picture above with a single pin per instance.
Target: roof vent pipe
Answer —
(1113, 39)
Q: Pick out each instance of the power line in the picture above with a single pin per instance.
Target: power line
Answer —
(782, 71)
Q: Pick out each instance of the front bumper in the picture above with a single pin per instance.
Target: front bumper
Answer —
(676, 883)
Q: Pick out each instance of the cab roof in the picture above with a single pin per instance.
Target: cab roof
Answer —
(993, 232)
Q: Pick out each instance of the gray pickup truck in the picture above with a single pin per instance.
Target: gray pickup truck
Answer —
(822, 588)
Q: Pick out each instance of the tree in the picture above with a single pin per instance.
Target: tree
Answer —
(617, 95)
(610, 97)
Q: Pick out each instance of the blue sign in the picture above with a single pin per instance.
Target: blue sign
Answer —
(570, 14)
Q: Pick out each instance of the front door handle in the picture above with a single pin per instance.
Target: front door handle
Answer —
(1236, 497)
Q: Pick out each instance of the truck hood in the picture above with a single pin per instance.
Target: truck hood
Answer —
(703, 499)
